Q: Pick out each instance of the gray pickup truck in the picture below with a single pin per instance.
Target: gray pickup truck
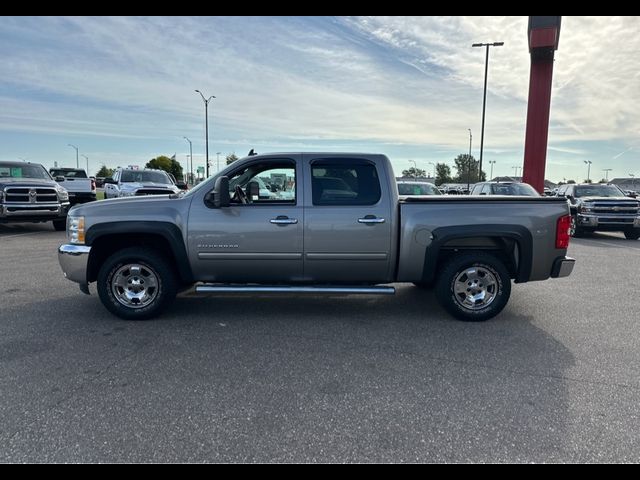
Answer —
(325, 223)
(29, 194)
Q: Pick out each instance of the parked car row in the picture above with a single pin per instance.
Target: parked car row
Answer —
(30, 193)
(594, 207)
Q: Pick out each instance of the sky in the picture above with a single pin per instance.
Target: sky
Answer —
(122, 90)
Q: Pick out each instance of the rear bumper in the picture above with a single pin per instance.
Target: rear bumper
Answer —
(73, 261)
(81, 197)
(562, 267)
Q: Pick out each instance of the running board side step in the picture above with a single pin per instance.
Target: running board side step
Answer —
(214, 288)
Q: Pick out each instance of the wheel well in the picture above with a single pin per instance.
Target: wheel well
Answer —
(106, 245)
(504, 248)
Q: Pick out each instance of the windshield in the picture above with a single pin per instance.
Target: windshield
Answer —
(24, 171)
(417, 189)
(598, 191)
(514, 189)
(142, 176)
(61, 172)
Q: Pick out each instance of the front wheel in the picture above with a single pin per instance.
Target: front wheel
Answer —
(632, 234)
(574, 229)
(136, 284)
(473, 287)
(60, 225)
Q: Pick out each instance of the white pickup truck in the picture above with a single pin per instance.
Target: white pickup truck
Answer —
(81, 188)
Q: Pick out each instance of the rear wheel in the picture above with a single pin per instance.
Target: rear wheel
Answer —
(632, 234)
(473, 286)
(136, 284)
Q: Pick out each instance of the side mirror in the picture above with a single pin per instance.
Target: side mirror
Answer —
(182, 185)
(109, 180)
(219, 197)
(59, 178)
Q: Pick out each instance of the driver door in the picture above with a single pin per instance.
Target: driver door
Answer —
(258, 240)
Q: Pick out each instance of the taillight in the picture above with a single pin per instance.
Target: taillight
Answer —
(563, 229)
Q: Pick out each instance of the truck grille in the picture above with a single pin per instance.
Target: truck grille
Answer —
(152, 191)
(30, 195)
(608, 208)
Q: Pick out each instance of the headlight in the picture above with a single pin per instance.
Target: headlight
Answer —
(63, 195)
(586, 207)
(75, 229)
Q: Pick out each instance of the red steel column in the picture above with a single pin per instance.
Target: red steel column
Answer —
(544, 35)
(535, 145)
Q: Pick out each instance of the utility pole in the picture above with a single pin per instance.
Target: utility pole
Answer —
(87, 159)
(484, 95)
(191, 158)
(469, 161)
(206, 126)
(77, 161)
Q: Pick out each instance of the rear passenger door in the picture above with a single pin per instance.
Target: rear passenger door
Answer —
(348, 219)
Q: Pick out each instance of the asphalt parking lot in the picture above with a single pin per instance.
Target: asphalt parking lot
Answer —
(556, 377)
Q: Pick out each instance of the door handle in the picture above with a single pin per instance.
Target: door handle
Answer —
(369, 219)
(283, 220)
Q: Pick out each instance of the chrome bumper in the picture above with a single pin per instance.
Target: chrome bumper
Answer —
(613, 219)
(562, 267)
(73, 261)
(53, 210)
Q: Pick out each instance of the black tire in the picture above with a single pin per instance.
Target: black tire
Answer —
(424, 285)
(150, 265)
(60, 225)
(452, 275)
(633, 234)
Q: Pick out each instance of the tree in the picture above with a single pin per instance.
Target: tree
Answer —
(414, 172)
(169, 165)
(467, 168)
(571, 182)
(603, 180)
(443, 174)
(105, 172)
(232, 157)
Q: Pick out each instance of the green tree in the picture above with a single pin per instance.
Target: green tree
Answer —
(414, 172)
(232, 157)
(169, 165)
(443, 174)
(105, 172)
(467, 169)
(571, 182)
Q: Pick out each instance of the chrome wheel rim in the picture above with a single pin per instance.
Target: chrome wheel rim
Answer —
(135, 285)
(475, 288)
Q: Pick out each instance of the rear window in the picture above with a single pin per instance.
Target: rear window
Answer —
(344, 182)
(68, 173)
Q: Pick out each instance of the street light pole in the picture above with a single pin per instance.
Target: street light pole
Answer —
(484, 95)
(492, 162)
(87, 159)
(606, 173)
(588, 163)
(469, 161)
(77, 161)
(633, 183)
(415, 169)
(191, 158)
(434, 169)
(206, 126)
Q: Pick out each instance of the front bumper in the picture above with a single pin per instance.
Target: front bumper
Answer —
(73, 261)
(33, 212)
(562, 267)
(595, 221)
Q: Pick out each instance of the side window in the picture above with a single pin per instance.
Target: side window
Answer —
(476, 190)
(486, 189)
(267, 182)
(344, 182)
